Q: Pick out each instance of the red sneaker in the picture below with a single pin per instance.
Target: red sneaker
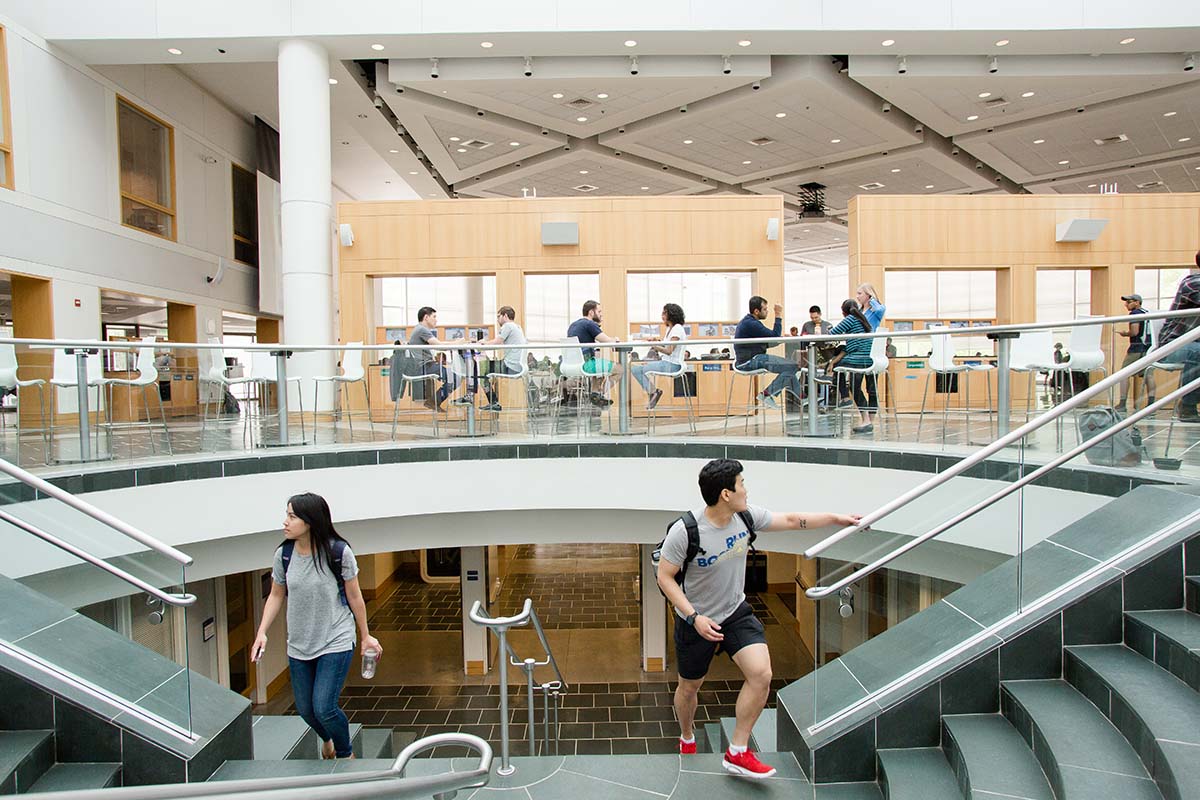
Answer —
(687, 748)
(746, 765)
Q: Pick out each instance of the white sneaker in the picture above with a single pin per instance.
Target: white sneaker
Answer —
(769, 401)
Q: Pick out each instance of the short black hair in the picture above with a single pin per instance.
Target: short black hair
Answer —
(674, 314)
(814, 309)
(716, 476)
(756, 303)
(424, 312)
(588, 306)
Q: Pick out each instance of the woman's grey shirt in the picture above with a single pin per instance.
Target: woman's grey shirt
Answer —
(317, 622)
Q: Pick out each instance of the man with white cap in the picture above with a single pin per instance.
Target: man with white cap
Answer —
(1139, 342)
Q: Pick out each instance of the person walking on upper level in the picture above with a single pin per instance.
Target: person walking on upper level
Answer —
(858, 355)
(870, 304)
(587, 330)
(1139, 342)
(508, 332)
(706, 586)
(755, 356)
(1187, 297)
(316, 573)
(670, 356)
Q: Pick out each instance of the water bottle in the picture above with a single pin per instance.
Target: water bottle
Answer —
(370, 660)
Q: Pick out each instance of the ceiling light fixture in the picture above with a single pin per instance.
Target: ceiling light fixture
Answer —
(1064, 162)
(781, 115)
(1170, 113)
(972, 118)
(888, 42)
(583, 172)
(602, 96)
(1091, 186)
(376, 47)
(393, 151)
(486, 45)
(835, 141)
(1039, 141)
(645, 188)
(1185, 139)
(514, 144)
(687, 141)
(631, 43)
(454, 138)
(1128, 40)
(413, 172)
(333, 81)
(1002, 43)
(462, 149)
(175, 51)
(557, 95)
(744, 43)
(581, 119)
(929, 186)
(1189, 63)
(745, 162)
(1027, 94)
(983, 95)
(895, 169)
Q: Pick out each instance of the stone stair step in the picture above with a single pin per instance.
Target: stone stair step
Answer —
(988, 755)
(283, 737)
(356, 741)
(1158, 714)
(917, 773)
(712, 734)
(1082, 753)
(1169, 638)
(377, 743)
(77, 777)
(24, 757)
(762, 736)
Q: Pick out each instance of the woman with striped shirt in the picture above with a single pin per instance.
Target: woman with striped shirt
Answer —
(858, 355)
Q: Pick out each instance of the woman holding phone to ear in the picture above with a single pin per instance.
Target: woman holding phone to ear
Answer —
(323, 608)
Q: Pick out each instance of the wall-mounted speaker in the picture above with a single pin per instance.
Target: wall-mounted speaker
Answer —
(560, 233)
(1079, 230)
(772, 229)
(346, 234)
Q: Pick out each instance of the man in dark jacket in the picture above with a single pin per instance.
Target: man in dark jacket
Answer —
(755, 356)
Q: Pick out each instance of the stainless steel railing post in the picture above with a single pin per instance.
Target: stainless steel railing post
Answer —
(505, 767)
(812, 390)
(546, 718)
(557, 703)
(528, 667)
(1003, 384)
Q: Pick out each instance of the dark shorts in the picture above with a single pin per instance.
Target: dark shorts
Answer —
(693, 653)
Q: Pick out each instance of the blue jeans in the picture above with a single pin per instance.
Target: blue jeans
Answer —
(316, 685)
(1189, 356)
(642, 368)
(786, 372)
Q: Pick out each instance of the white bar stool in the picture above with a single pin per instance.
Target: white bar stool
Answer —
(352, 372)
(754, 401)
(147, 377)
(681, 375)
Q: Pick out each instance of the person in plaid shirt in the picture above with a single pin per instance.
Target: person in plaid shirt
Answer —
(1186, 297)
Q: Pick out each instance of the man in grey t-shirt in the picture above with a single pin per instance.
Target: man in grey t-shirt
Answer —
(508, 332)
(711, 608)
(425, 361)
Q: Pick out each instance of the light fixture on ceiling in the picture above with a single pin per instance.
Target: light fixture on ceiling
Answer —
(983, 95)
(972, 118)
(462, 149)
(687, 141)
(1185, 139)
(1039, 141)
(901, 65)
(486, 45)
(602, 96)
(376, 47)
(744, 43)
(175, 51)
(726, 65)
(1128, 40)
(1091, 186)
(645, 188)
(583, 172)
(333, 81)
(895, 169)
(528, 70)
(888, 42)
(929, 186)
(780, 114)
(631, 43)
(1064, 162)
(393, 151)
(581, 119)
(514, 144)
(1170, 113)
(633, 65)
(413, 172)
(835, 141)
(1189, 63)
(993, 65)
(557, 95)
(433, 70)
(745, 162)
(454, 138)
(1027, 94)
(1002, 43)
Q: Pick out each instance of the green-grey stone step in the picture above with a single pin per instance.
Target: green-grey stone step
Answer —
(1078, 748)
(712, 735)
(356, 741)
(1170, 638)
(242, 770)
(377, 743)
(279, 738)
(762, 735)
(917, 773)
(24, 757)
(1191, 586)
(1156, 712)
(988, 755)
(77, 777)
(846, 791)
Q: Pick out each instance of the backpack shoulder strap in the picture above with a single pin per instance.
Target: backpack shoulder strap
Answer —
(337, 552)
(748, 518)
(693, 543)
(287, 548)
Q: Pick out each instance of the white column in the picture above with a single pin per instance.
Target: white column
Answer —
(654, 616)
(306, 209)
(474, 587)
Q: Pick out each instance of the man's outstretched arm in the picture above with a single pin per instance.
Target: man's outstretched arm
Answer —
(804, 520)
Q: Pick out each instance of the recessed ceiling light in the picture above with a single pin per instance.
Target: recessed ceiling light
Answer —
(745, 162)
(1196, 167)
(602, 96)
(1186, 139)
(972, 118)
(583, 172)
(454, 138)
(347, 144)
(687, 141)
(393, 151)
(413, 172)
(895, 169)
(581, 119)
(781, 115)
(462, 149)
(835, 141)
(1064, 162)
(1128, 40)
(485, 45)
(631, 43)
(888, 42)
(984, 94)
(376, 47)
(929, 186)
(1027, 94)
(557, 95)
(1002, 43)
(175, 51)
(1039, 141)
(1091, 186)
(433, 195)
(514, 144)
(333, 81)
(647, 188)
(744, 43)
(1170, 113)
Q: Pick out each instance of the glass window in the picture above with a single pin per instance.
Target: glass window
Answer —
(1157, 286)
(245, 216)
(459, 299)
(147, 147)
(553, 302)
(6, 168)
(806, 285)
(924, 296)
(704, 296)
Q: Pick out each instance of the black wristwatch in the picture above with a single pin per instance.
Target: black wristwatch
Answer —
(690, 619)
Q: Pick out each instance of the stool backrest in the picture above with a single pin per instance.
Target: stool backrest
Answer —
(145, 361)
(879, 359)
(8, 366)
(352, 363)
(216, 358)
(1086, 352)
(262, 366)
(572, 356)
(66, 368)
(1032, 349)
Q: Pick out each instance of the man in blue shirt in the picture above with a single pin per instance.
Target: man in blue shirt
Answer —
(755, 356)
(587, 330)
(1139, 342)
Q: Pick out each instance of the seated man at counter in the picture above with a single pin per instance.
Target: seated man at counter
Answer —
(587, 330)
(425, 361)
(509, 333)
(755, 356)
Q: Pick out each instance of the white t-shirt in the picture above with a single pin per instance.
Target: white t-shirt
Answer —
(676, 355)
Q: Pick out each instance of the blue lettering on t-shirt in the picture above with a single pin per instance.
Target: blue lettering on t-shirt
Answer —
(731, 545)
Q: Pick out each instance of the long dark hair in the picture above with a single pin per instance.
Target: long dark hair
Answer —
(313, 509)
(674, 314)
(850, 309)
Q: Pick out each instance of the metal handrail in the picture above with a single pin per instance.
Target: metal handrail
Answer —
(999, 444)
(390, 782)
(819, 592)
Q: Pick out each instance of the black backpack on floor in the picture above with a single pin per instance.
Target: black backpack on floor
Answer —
(693, 538)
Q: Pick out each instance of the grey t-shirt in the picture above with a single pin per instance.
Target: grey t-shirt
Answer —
(422, 335)
(512, 334)
(317, 622)
(716, 579)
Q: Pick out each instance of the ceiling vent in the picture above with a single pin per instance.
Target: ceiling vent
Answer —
(585, 187)
(476, 144)
(762, 141)
(996, 102)
(1120, 137)
(580, 103)
(1151, 185)
(870, 187)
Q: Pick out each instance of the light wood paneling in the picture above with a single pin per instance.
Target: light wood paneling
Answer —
(33, 318)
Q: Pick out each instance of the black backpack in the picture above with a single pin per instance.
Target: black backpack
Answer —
(693, 538)
(337, 550)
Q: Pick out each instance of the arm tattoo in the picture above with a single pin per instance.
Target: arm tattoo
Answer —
(803, 523)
